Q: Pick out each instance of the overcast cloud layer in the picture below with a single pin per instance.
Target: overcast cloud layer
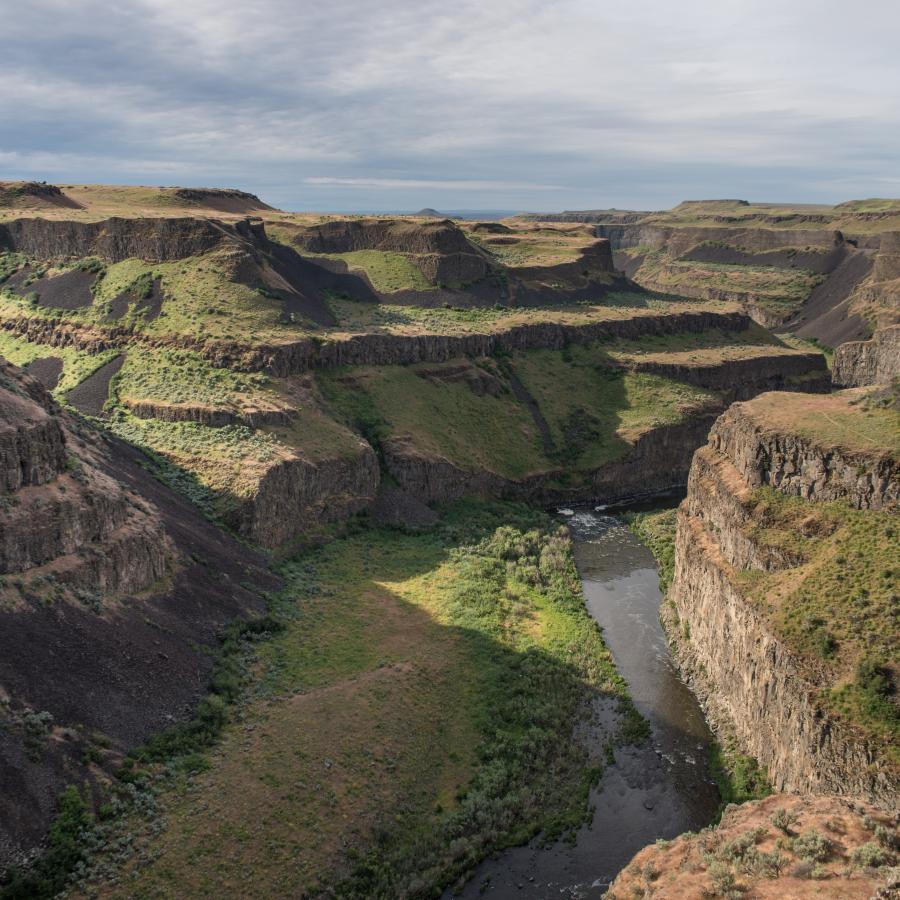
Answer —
(486, 104)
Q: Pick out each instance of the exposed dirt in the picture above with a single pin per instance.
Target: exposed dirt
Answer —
(225, 200)
(118, 669)
(825, 314)
(705, 864)
(71, 290)
(34, 195)
(400, 509)
(47, 371)
(150, 306)
(91, 395)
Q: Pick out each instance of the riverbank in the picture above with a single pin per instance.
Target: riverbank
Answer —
(651, 791)
(414, 715)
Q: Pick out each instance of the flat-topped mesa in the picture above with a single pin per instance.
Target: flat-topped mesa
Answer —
(439, 248)
(817, 456)
(780, 604)
(115, 239)
(877, 361)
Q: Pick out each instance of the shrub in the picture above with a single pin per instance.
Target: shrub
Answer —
(887, 837)
(783, 818)
(66, 849)
(812, 845)
(868, 855)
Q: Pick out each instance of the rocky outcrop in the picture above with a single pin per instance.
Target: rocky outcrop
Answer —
(802, 467)
(741, 379)
(112, 591)
(297, 496)
(877, 361)
(439, 249)
(114, 239)
(32, 450)
(751, 852)
(296, 357)
(753, 686)
(680, 239)
(63, 516)
(213, 416)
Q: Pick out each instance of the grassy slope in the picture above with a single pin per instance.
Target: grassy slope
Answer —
(389, 272)
(415, 712)
(593, 411)
(77, 364)
(778, 290)
(837, 610)
(176, 376)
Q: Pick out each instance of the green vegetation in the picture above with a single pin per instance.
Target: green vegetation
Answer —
(217, 468)
(657, 530)
(66, 849)
(837, 609)
(413, 713)
(179, 376)
(77, 364)
(387, 271)
(739, 777)
(580, 385)
(466, 411)
(778, 290)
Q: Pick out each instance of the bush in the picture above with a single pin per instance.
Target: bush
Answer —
(868, 855)
(65, 850)
(782, 819)
(812, 845)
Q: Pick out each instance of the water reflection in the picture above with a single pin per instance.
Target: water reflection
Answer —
(656, 791)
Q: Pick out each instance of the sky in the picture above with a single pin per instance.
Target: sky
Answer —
(395, 105)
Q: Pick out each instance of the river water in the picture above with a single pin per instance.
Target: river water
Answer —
(658, 790)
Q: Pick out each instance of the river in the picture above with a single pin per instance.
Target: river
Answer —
(658, 790)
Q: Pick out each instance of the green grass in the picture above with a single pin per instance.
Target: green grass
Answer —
(413, 714)
(77, 364)
(178, 376)
(490, 433)
(656, 529)
(739, 777)
(215, 467)
(594, 410)
(837, 610)
(776, 289)
(389, 272)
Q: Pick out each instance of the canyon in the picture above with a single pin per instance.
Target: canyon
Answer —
(234, 441)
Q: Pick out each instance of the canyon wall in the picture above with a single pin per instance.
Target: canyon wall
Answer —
(752, 685)
(876, 361)
(113, 590)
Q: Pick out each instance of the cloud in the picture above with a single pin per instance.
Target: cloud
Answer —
(558, 102)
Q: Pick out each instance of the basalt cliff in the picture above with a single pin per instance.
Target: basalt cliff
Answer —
(788, 493)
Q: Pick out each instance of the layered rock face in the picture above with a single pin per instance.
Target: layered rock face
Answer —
(754, 686)
(111, 589)
(782, 846)
(877, 361)
(115, 239)
(62, 517)
(297, 496)
(658, 461)
(439, 249)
